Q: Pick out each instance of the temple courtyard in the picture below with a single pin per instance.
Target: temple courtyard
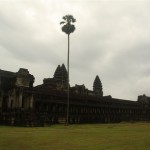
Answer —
(123, 136)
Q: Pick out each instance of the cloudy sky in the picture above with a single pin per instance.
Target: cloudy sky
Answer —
(112, 40)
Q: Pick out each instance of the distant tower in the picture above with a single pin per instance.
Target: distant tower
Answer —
(57, 73)
(97, 87)
(60, 76)
(64, 73)
(61, 73)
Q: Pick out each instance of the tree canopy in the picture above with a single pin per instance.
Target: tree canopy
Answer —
(68, 26)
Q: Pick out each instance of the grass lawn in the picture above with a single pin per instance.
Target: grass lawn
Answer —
(123, 136)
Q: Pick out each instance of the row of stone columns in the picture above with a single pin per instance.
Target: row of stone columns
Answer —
(19, 99)
(81, 114)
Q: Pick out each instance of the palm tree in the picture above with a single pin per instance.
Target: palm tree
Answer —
(68, 28)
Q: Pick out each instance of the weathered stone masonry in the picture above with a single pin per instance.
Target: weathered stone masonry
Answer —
(21, 104)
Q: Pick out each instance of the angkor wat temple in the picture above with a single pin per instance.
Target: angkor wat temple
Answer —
(21, 104)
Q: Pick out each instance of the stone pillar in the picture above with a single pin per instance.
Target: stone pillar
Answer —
(16, 103)
(1, 98)
(14, 97)
(19, 97)
(11, 99)
(31, 101)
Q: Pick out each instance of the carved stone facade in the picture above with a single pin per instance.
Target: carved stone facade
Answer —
(14, 100)
(24, 105)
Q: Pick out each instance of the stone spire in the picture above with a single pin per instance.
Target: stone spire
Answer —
(64, 73)
(97, 86)
(57, 73)
(61, 73)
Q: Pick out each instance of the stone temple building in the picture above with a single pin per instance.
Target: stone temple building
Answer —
(22, 104)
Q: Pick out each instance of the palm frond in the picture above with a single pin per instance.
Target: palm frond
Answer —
(62, 22)
(73, 20)
(64, 18)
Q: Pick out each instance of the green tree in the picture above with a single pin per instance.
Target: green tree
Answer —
(68, 27)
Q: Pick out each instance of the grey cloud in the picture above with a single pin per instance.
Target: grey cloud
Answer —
(111, 40)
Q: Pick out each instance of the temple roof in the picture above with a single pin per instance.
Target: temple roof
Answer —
(8, 74)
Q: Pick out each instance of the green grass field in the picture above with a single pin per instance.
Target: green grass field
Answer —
(123, 136)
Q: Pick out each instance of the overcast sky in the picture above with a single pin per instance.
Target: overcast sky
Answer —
(112, 40)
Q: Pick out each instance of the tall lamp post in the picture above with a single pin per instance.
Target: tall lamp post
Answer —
(68, 28)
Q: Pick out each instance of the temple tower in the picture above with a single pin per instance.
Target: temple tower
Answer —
(64, 73)
(57, 73)
(61, 73)
(97, 87)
